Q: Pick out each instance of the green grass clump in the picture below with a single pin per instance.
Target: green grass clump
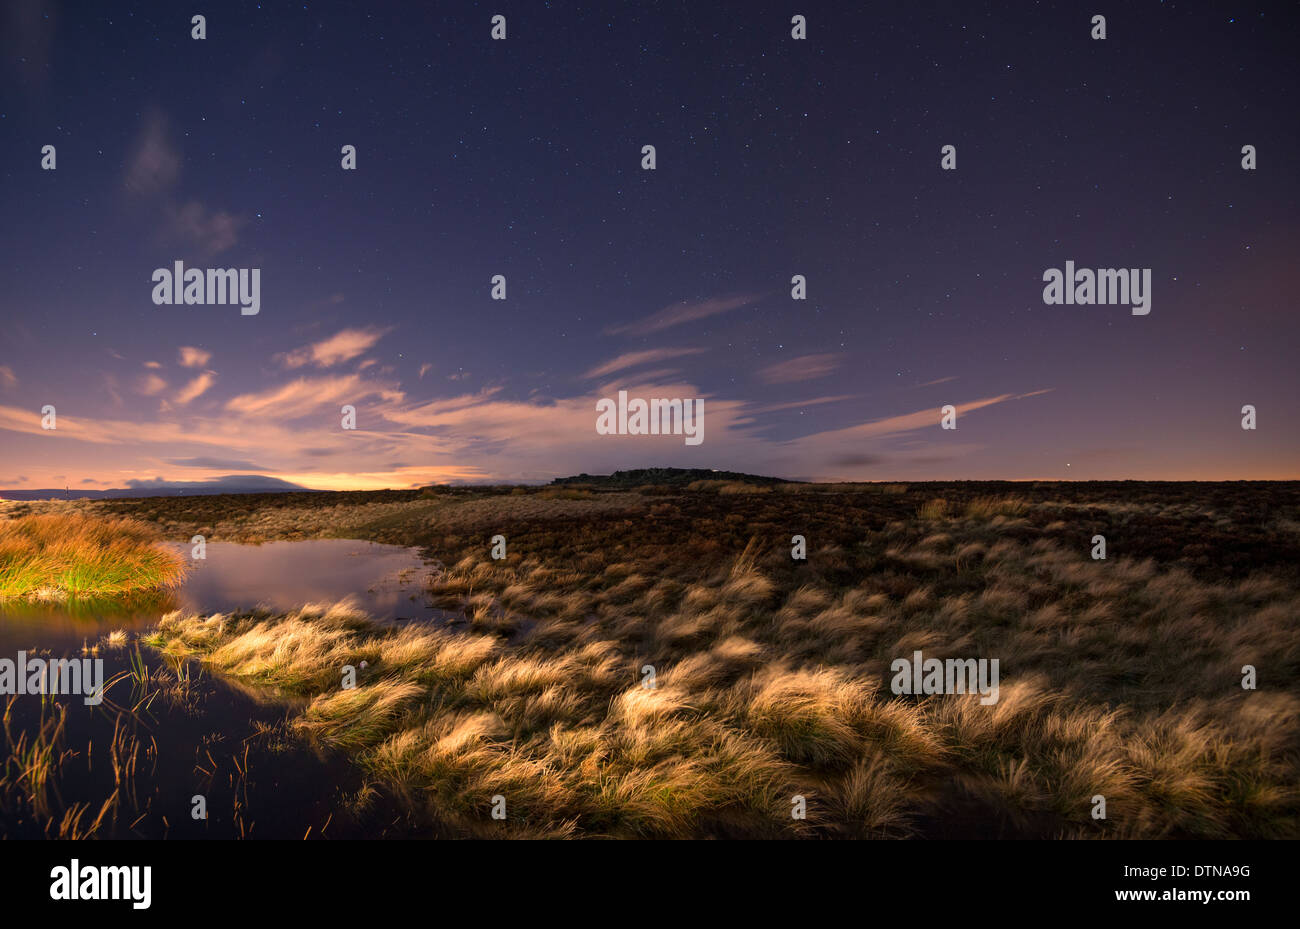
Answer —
(55, 556)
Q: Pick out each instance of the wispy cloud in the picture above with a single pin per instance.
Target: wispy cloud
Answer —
(796, 404)
(151, 385)
(803, 368)
(338, 348)
(193, 224)
(192, 357)
(678, 313)
(212, 232)
(633, 359)
(8, 380)
(155, 164)
(291, 424)
(196, 388)
(152, 171)
(306, 395)
(928, 418)
(480, 436)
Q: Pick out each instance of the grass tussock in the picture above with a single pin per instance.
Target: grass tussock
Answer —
(571, 736)
(1120, 677)
(761, 696)
(54, 556)
(985, 507)
(933, 509)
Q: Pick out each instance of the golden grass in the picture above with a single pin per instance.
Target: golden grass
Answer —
(933, 509)
(1119, 677)
(763, 695)
(54, 556)
(984, 507)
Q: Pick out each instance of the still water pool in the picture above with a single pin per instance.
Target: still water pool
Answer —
(138, 761)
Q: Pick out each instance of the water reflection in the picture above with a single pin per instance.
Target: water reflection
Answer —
(385, 580)
(197, 735)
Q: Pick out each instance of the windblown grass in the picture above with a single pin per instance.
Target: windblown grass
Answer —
(54, 556)
(761, 696)
(1120, 677)
(569, 737)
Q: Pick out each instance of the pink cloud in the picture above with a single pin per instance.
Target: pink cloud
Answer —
(803, 368)
(196, 388)
(338, 348)
(678, 313)
(152, 385)
(633, 359)
(192, 357)
(307, 395)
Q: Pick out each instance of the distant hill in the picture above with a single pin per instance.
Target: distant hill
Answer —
(640, 477)
(230, 484)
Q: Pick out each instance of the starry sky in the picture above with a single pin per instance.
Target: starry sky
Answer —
(522, 157)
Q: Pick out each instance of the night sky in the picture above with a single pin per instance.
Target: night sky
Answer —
(522, 157)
